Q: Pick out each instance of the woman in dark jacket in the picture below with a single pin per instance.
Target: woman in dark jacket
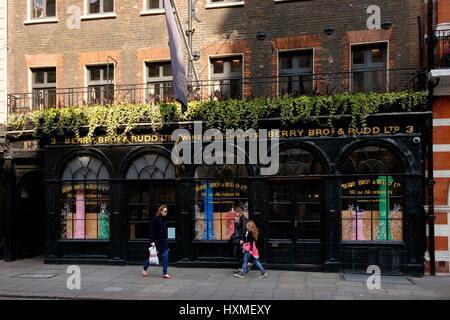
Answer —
(240, 227)
(158, 237)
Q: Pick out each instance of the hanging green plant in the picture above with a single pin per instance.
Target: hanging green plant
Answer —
(120, 120)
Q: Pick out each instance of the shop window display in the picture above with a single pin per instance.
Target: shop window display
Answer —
(372, 196)
(219, 189)
(85, 199)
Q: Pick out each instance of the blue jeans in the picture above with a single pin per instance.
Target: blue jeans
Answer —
(165, 261)
(238, 253)
(246, 258)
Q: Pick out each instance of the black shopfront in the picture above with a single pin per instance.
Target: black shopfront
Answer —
(340, 200)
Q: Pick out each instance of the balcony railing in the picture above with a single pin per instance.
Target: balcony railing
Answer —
(374, 80)
(442, 49)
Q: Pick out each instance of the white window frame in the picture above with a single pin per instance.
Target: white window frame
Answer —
(89, 16)
(211, 75)
(148, 11)
(147, 78)
(31, 20)
(31, 70)
(87, 81)
(225, 3)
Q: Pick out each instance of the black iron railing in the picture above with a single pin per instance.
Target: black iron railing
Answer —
(370, 80)
(442, 48)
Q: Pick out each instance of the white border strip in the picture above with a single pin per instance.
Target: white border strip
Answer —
(441, 122)
(441, 147)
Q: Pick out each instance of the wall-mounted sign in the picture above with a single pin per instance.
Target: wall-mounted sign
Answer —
(294, 133)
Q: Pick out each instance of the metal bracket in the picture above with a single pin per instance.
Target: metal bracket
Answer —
(194, 4)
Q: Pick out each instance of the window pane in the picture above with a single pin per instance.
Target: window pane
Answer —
(218, 66)
(108, 5)
(308, 230)
(51, 8)
(304, 61)
(38, 8)
(235, 89)
(51, 76)
(286, 62)
(285, 84)
(308, 212)
(379, 81)
(154, 4)
(94, 6)
(167, 70)
(280, 193)
(51, 98)
(358, 81)
(280, 212)
(95, 74)
(110, 71)
(358, 56)
(280, 230)
(377, 55)
(153, 70)
(39, 77)
(236, 65)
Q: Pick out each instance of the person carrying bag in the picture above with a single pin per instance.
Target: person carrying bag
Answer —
(158, 238)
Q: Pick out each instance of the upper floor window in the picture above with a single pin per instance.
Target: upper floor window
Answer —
(153, 4)
(101, 84)
(224, 3)
(295, 71)
(159, 81)
(44, 88)
(369, 68)
(100, 6)
(226, 76)
(41, 9)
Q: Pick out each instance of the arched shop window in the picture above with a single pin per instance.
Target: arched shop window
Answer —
(372, 196)
(219, 189)
(294, 196)
(149, 187)
(85, 199)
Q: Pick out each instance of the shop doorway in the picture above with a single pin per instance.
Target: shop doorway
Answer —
(294, 221)
(150, 184)
(30, 223)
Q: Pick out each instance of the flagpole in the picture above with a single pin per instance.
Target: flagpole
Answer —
(191, 57)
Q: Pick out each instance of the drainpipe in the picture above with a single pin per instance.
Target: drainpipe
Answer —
(431, 182)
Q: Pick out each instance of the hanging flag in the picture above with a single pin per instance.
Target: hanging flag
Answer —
(177, 58)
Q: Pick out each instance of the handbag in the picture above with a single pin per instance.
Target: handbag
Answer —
(153, 258)
(254, 252)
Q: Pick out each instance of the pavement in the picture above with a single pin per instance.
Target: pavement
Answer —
(32, 279)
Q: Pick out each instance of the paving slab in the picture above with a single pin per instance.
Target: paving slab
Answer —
(103, 282)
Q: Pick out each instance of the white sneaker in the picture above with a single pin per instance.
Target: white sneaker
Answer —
(262, 275)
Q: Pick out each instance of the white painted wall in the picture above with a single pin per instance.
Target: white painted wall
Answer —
(3, 61)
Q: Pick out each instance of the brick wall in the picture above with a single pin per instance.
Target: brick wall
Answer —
(3, 62)
(441, 165)
(136, 36)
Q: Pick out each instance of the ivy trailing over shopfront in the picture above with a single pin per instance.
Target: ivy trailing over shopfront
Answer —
(120, 119)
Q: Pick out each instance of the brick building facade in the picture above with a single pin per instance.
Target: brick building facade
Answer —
(132, 35)
(441, 165)
(65, 55)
